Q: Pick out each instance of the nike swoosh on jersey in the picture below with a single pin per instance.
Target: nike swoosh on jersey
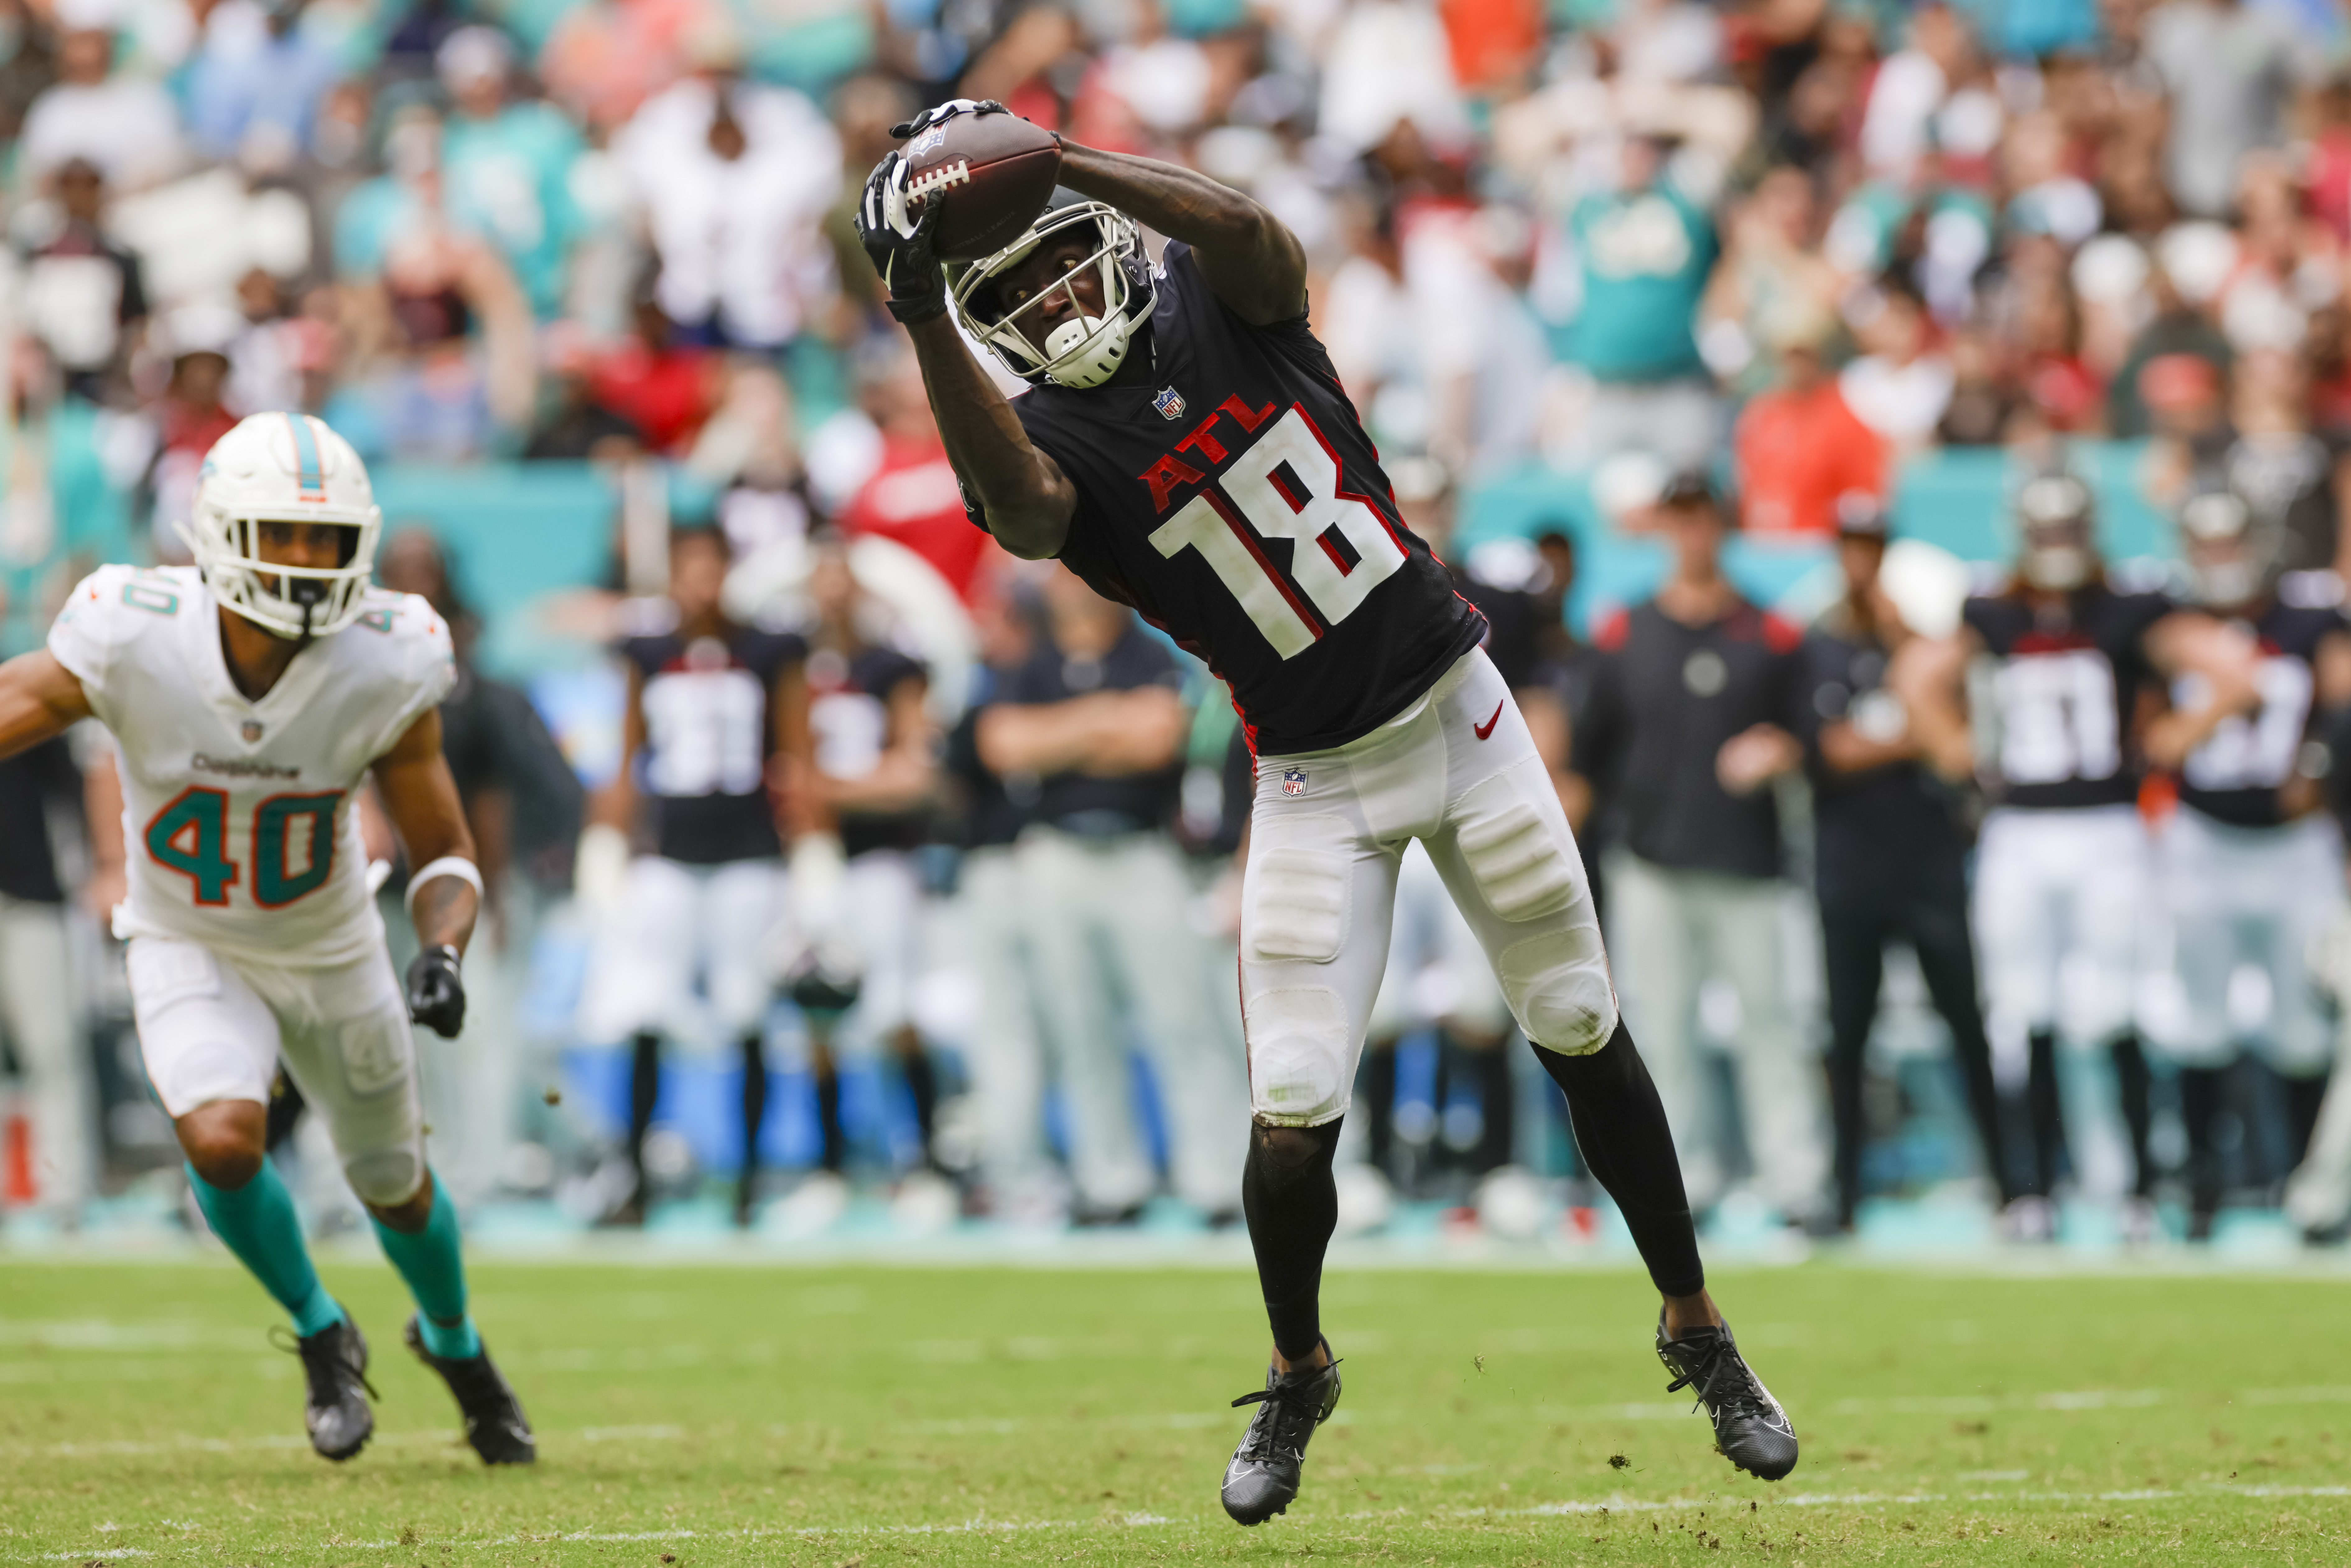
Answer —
(1487, 728)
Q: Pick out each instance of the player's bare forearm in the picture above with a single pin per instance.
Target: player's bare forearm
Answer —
(420, 797)
(1249, 257)
(39, 698)
(1028, 500)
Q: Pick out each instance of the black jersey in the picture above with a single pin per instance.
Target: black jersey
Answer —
(1228, 491)
(1881, 830)
(2236, 774)
(849, 720)
(2063, 694)
(1666, 697)
(708, 734)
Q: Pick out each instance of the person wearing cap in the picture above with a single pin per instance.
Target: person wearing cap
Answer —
(1889, 847)
(1692, 715)
(2051, 671)
(506, 164)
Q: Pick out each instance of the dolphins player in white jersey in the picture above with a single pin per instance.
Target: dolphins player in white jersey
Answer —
(249, 697)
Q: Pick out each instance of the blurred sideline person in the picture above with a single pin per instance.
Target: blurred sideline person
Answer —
(1007, 1067)
(865, 779)
(248, 697)
(709, 703)
(1094, 723)
(2250, 863)
(1889, 853)
(524, 804)
(1691, 714)
(1180, 417)
(2049, 676)
(39, 987)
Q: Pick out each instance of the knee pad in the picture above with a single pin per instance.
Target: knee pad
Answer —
(385, 1178)
(1559, 992)
(1519, 862)
(1298, 1055)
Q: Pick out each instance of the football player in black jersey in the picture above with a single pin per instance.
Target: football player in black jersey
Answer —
(1187, 449)
(2250, 863)
(2066, 669)
(709, 703)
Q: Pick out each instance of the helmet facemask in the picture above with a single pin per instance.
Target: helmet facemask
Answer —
(2227, 565)
(1083, 351)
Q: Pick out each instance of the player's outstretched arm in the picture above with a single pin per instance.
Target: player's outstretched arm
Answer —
(1023, 494)
(1250, 257)
(1024, 497)
(38, 698)
(444, 888)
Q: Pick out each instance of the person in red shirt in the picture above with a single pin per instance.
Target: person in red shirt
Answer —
(663, 387)
(912, 497)
(1799, 447)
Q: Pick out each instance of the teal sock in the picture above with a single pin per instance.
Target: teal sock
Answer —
(435, 1271)
(257, 1222)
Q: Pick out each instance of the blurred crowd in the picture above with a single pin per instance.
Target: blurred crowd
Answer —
(1777, 248)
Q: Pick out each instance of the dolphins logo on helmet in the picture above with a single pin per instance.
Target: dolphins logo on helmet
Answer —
(284, 468)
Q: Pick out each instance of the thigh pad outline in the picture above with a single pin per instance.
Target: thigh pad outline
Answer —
(1297, 905)
(1519, 863)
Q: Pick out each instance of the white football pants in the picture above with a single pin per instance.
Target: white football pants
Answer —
(2059, 911)
(1459, 772)
(677, 923)
(2247, 896)
(210, 1028)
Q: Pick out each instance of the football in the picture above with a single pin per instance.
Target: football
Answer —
(994, 171)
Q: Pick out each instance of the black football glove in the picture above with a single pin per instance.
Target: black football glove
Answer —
(939, 113)
(899, 243)
(436, 992)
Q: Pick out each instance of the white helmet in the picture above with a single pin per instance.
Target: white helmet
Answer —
(283, 468)
(1084, 351)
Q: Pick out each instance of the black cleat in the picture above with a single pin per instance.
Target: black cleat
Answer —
(495, 1423)
(1262, 1480)
(1750, 1428)
(335, 1406)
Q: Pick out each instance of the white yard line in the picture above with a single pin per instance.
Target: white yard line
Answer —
(1614, 1505)
(2058, 1401)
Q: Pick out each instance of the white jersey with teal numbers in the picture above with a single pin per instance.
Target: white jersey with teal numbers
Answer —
(237, 821)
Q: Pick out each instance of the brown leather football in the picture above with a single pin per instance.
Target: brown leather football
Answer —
(994, 171)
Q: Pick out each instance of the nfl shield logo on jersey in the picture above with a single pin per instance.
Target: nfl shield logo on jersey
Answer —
(1293, 781)
(1169, 402)
(251, 730)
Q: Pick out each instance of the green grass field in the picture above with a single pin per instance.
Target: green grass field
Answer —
(694, 1413)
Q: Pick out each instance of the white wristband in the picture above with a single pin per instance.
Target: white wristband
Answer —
(458, 867)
